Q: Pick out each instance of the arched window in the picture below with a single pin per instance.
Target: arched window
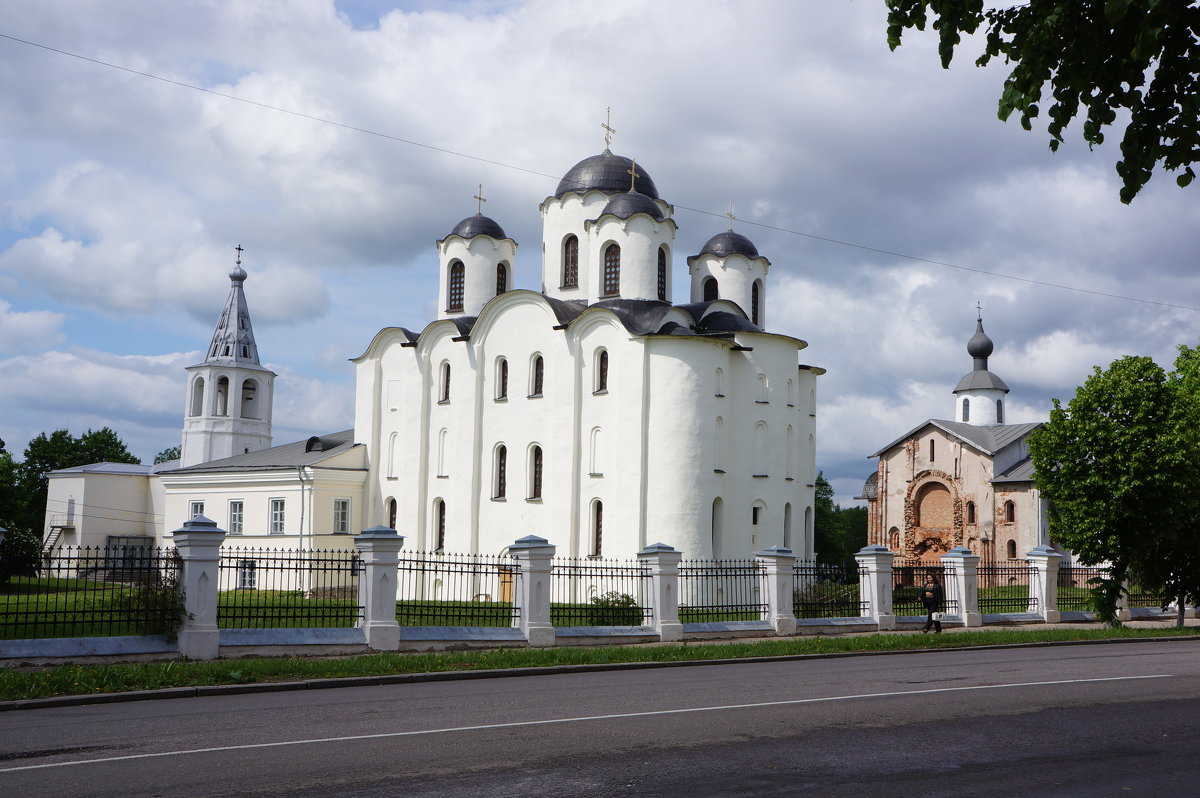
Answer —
(444, 394)
(595, 465)
(1010, 513)
(970, 512)
(443, 433)
(537, 376)
(760, 449)
(757, 512)
(570, 269)
(249, 391)
(662, 274)
(501, 478)
(966, 409)
(999, 411)
(391, 513)
(602, 370)
(612, 271)
(535, 472)
(762, 387)
(932, 450)
(790, 471)
(718, 527)
(439, 520)
(597, 528)
(894, 539)
(787, 526)
(454, 289)
(719, 444)
(222, 408)
(791, 394)
(719, 383)
(198, 397)
(1011, 549)
(501, 378)
(710, 289)
(391, 461)
(755, 301)
(501, 278)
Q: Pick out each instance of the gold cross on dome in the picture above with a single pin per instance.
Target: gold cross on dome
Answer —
(479, 200)
(239, 252)
(608, 128)
(633, 174)
(729, 213)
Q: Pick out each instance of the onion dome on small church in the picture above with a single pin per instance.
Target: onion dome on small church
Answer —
(625, 205)
(979, 348)
(608, 173)
(729, 243)
(478, 225)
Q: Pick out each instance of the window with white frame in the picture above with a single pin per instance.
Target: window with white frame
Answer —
(341, 516)
(195, 509)
(236, 515)
(276, 517)
(247, 574)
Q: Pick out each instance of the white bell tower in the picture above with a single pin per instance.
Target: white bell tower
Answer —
(979, 397)
(229, 394)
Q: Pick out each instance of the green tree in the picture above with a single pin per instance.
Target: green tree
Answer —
(167, 455)
(1107, 56)
(838, 532)
(1120, 466)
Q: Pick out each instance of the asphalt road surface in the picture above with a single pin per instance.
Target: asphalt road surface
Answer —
(1091, 720)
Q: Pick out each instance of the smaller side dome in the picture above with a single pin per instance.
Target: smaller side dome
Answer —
(478, 225)
(625, 205)
(729, 243)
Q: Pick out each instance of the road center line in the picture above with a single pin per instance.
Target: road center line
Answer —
(616, 716)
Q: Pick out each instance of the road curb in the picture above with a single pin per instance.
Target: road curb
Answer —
(333, 683)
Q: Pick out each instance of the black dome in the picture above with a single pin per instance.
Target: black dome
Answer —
(625, 205)
(478, 225)
(605, 172)
(979, 345)
(728, 243)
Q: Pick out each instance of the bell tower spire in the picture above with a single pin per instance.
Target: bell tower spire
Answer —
(230, 393)
(979, 396)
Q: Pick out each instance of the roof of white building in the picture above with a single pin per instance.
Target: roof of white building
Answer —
(298, 453)
(121, 469)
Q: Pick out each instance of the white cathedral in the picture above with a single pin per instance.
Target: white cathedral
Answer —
(595, 413)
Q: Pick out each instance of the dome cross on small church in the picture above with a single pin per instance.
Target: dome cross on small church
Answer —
(479, 200)
(729, 213)
(633, 174)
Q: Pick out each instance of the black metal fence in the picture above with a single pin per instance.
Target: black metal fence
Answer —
(1141, 596)
(908, 580)
(95, 592)
(438, 589)
(1005, 588)
(1075, 586)
(722, 590)
(826, 590)
(593, 592)
(276, 588)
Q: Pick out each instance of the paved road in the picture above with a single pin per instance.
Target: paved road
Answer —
(1105, 719)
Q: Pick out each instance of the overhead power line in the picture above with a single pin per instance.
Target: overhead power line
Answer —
(537, 173)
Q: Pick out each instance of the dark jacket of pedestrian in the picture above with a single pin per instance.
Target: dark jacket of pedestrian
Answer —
(931, 599)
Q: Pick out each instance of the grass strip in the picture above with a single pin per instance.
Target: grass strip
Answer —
(90, 679)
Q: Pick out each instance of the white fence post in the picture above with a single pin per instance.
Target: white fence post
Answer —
(1044, 585)
(379, 548)
(663, 562)
(964, 584)
(778, 563)
(199, 545)
(875, 584)
(532, 595)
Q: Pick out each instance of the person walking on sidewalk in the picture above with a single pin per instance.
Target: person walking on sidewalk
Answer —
(931, 597)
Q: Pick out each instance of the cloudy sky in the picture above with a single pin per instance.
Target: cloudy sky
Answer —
(123, 196)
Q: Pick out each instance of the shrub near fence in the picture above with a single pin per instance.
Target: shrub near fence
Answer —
(1075, 587)
(436, 589)
(95, 592)
(826, 590)
(724, 590)
(269, 589)
(593, 592)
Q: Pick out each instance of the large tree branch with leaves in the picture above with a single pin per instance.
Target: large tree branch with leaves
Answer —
(1104, 56)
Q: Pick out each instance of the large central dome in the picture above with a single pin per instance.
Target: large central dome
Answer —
(605, 172)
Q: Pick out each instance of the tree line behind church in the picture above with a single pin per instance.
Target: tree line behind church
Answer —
(838, 532)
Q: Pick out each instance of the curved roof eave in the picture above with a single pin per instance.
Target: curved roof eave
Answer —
(386, 332)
